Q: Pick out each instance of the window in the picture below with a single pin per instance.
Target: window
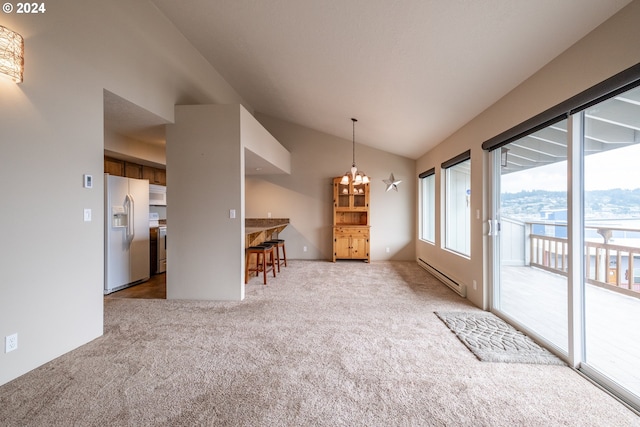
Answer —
(428, 206)
(457, 203)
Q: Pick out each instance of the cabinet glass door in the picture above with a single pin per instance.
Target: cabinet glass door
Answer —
(359, 196)
(343, 195)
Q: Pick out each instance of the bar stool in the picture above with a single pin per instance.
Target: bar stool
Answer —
(262, 265)
(279, 243)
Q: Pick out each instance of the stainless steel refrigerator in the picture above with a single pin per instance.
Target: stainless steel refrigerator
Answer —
(126, 230)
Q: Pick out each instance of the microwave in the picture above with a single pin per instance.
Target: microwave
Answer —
(157, 195)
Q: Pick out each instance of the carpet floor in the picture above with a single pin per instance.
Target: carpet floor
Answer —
(323, 344)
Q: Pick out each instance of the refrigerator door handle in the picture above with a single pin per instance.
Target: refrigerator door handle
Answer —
(132, 219)
(128, 202)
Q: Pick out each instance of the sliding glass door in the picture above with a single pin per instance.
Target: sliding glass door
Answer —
(611, 214)
(566, 238)
(532, 218)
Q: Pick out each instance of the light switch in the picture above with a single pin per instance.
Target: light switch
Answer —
(87, 215)
(232, 213)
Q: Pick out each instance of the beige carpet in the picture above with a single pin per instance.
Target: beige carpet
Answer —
(324, 344)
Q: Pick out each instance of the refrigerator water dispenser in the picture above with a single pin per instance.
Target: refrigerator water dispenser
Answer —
(119, 217)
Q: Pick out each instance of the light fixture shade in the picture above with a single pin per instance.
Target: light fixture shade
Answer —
(11, 54)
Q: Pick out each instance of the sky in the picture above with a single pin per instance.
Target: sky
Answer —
(618, 168)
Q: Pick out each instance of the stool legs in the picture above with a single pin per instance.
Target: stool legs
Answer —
(277, 257)
(284, 254)
(279, 243)
(262, 263)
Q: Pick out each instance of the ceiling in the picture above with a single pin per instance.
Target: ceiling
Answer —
(411, 71)
(126, 118)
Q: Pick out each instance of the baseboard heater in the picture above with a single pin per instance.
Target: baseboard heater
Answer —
(458, 288)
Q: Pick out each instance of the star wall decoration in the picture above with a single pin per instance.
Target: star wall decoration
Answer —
(392, 182)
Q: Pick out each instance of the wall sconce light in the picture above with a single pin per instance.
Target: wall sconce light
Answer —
(503, 157)
(11, 54)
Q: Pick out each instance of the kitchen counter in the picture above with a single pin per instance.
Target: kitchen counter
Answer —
(258, 230)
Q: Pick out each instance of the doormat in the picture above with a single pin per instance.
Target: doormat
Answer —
(491, 339)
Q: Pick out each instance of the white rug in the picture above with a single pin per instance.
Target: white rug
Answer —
(493, 340)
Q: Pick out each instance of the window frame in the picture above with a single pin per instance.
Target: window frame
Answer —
(427, 225)
(452, 218)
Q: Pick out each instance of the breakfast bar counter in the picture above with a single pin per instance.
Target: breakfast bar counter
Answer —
(258, 230)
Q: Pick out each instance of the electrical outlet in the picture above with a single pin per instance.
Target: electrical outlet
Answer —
(304, 249)
(10, 343)
(388, 249)
(475, 285)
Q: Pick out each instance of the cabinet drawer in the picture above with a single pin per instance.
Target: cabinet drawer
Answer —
(352, 231)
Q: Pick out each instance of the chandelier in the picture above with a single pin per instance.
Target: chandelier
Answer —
(354, 175)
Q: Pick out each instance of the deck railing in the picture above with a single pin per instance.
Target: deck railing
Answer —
(549, 253)
(607, 264)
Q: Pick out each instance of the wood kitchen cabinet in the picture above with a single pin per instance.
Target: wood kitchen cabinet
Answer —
(132, 170)
(119, 167)
(350, 221)
(154, 175)
(113, 166)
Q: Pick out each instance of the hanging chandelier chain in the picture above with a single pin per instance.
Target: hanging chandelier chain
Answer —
(354, 141)
(355, 176)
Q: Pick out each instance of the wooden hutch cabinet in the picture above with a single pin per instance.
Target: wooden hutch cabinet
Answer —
(350, 221)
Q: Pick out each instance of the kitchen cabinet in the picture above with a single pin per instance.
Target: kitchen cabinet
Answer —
(119, 167)
(153, 250)
(132, 170)
(154, 175)
(113, 166)
(351, 230)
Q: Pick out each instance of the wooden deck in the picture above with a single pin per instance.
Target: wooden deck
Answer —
(538, 299)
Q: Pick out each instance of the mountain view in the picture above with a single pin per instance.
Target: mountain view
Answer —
(599, 204)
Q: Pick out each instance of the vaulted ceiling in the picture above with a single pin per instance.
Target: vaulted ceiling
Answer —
(411, 71)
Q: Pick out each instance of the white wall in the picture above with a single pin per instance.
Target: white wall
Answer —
(306, 196)
(609, 49)
(259, 141)
(205, 255)
(51, 268)
(153, 154)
